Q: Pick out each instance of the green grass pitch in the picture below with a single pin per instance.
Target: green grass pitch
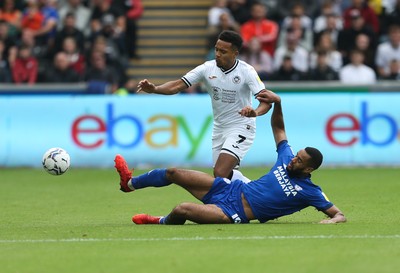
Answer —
(80, 222)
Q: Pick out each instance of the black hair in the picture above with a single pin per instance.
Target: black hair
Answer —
(316, 157)
(232, 37)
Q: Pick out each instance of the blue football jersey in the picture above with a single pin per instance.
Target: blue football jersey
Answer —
(276, 194)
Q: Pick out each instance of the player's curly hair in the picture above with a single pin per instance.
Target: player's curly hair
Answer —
(316, 157)
(232, 37)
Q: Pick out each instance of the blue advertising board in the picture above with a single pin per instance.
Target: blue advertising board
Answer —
(349, 128)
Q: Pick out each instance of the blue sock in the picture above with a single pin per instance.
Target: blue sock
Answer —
(163, 220)
(154, 178)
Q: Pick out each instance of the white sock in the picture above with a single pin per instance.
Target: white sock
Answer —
(237, 175)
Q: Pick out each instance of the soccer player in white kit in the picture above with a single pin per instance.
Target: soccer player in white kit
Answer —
(231, 83)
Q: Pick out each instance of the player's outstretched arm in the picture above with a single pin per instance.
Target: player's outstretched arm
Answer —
(277, 121)
(168, 88)
(267, 97)
(336, 216)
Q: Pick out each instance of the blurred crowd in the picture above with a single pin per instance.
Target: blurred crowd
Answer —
(67, 41)
(353, 41)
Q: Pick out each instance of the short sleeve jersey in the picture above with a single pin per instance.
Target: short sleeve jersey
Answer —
(276, 194)
(229, 90)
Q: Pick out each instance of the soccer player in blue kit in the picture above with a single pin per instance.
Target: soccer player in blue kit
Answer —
(285, 189)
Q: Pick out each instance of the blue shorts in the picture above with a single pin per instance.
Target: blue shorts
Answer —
(227, 195)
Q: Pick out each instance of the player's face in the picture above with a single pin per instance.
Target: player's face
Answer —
(225, 55)
(298, 164)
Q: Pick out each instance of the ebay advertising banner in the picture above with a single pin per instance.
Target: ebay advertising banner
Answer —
(349, 128)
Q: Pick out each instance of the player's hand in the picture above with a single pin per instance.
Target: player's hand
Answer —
(145, 86)
(268, 96)
(328, 221)
(248, 112)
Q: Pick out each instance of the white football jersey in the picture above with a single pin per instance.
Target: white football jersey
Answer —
(229, 90)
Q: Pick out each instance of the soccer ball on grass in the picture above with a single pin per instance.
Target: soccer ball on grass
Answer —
(56, 161)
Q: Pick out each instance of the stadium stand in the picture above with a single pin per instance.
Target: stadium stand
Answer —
(172, 39)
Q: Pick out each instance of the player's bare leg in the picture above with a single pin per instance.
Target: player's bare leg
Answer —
(197, 213)
(225, 165)
(196, 182)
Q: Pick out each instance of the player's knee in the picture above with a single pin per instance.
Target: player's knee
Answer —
(222, 172)
(182, 210)
(171, 173)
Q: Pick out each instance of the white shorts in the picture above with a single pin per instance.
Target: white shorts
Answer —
(234, 141)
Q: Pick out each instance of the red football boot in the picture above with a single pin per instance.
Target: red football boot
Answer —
(145, 219)
(124, 173)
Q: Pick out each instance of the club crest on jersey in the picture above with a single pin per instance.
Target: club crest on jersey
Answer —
(216, 91)
(236, 80)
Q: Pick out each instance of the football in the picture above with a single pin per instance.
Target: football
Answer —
(56, 161)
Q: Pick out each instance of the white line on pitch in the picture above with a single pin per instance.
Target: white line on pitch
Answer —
(230, 238)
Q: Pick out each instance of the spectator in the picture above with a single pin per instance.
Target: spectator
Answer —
(60, 71)
(80, 13)
(266, 31)
(100, 73)
(347, 36)
(393, 17)
(356, 72)
(32, 17)
(76, 60)
(388, 51)
(39, 52)
(108, 31)
(332, 56)
(306, 34)
(322, 71)
(297, 11)
(364, 45)
(110, 50)
(45, 35)
(25, 68)
(12, 15)
(219, 7)
(259, 59)
(331, 28)
(338, 6)
(109, 21)
(394, 71)
(298, 54)
(113, 57)
(327, 11)
(272, 8)
(389, 6)
(287, 71)
(285, 7)
(10, 50)
(225, 23)
(360, 7)
(240, 10)
(69, 29)
(133, 12)
(28, 39)
(5, 73)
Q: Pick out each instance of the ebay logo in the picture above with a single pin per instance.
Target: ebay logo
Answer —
(92, 132)
(377, 129)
